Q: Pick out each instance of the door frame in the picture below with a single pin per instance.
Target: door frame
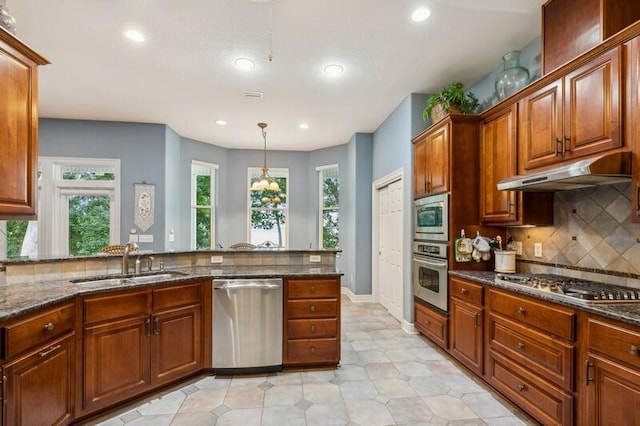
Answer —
(394, 176)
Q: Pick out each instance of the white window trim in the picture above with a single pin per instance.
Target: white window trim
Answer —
(192, 229)
(321, 208)
(274, 170)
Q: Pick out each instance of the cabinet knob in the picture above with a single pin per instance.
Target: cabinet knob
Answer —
(312, 308)
(49, 326)
(521, 310)
(313, 328)
(313, 289)
(633, 350)
(522, 388)
(312, 349)
(426, 322)
(464, 290)
(520, 345)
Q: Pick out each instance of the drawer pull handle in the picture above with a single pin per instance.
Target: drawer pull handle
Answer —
(633, 350)
(313, 328)
(313, 289)
(520, 345)
(521, 310)
(4, 390)
(147, 326)
(156, 326)
(427, 322)
(48, 351)
(587, 379)
(49, 326)
(522, 388)
(312, 349)
(476, 323)
(464, 290)
(312, 308)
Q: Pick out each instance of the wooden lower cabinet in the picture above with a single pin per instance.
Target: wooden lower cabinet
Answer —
(466, 343)
(39, 385)
(311, 321)
(432, 324)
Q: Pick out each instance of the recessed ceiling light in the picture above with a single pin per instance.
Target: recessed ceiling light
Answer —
(220, 122)
(134, 36)
(244, 64)
(333, 70)
(420, 14)
(304, 126)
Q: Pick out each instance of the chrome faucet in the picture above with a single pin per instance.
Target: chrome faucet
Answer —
(125, 256)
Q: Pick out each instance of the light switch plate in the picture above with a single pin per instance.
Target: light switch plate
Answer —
(216, 259)
(133, 238)
(146, 238)
(315, 258)
(537, 249)
(517, 247)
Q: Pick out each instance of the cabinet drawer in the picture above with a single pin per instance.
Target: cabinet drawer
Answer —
(543, 355)
(175, 296)
(550, 319)
(313, 351)
(432, 325)
(614, 341)
(111, 307)
(36, 329)
(546, 403)
(463, 290)
(312, 328)
(307, 289)
(312, 308)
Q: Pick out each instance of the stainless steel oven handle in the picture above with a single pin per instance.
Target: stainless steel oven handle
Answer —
(441, 265)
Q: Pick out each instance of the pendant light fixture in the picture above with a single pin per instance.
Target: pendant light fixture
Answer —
(266, 182)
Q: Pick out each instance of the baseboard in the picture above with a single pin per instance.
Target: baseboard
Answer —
(356, 298)
(408, 327)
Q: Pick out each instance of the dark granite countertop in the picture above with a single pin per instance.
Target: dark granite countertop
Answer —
(18, 299)
(626, 312)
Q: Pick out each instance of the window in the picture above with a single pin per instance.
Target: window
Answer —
(79, 210)
(203, 177)
(269, 211)
(329, 188)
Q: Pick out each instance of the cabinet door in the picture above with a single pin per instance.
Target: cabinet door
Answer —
(18, 134)
(176, 344)
(466, 335)
(592, 106)
(39, 385)
(438, 160)
(498, 159)
(116, 361)
(540, 136)
(419, 169)
(613, 392)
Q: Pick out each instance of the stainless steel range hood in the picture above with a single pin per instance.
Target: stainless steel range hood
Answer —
(603, 170)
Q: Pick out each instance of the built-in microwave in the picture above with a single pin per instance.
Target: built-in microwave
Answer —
(431, 218)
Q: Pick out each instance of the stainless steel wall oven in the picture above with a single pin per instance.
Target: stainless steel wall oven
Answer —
(430, 267)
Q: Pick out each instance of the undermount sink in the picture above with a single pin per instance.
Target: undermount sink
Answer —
(120, 279)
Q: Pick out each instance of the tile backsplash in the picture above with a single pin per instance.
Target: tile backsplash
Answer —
(592, 230)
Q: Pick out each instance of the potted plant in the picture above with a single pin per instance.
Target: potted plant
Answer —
(451, 99)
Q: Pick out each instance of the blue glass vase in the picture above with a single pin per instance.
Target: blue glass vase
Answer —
(513, 77)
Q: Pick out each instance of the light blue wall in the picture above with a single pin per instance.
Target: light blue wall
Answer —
(172, 186)
(361, 233)
(140, 147)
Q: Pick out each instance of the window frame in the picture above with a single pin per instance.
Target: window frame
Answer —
(274, 173)
(321, 207)
(213, 200)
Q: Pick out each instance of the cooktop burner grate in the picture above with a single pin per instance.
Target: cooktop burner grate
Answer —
(577, 289)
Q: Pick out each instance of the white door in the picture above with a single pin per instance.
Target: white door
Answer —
(390, 231)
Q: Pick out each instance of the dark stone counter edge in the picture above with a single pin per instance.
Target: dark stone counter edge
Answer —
(65, 290)
(625, 312)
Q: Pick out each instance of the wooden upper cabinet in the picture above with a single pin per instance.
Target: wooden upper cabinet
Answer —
(575, 116)
(632, 122)
(498, 161)
(571, 27)
(18, 127)
(431, 161)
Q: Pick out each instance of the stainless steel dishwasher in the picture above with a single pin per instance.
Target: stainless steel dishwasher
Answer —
(247, 325)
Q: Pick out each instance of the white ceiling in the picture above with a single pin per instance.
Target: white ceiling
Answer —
(183, 74)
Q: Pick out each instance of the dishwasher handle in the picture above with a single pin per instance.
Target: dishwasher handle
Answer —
(244, 286)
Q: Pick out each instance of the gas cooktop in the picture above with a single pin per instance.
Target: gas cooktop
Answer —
(573, 288)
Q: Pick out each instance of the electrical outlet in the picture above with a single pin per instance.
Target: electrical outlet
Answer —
(517, 247)
(537, 249)
(315, 258)
(216, 259)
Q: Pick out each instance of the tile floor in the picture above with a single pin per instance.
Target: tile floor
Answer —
(386, 377)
